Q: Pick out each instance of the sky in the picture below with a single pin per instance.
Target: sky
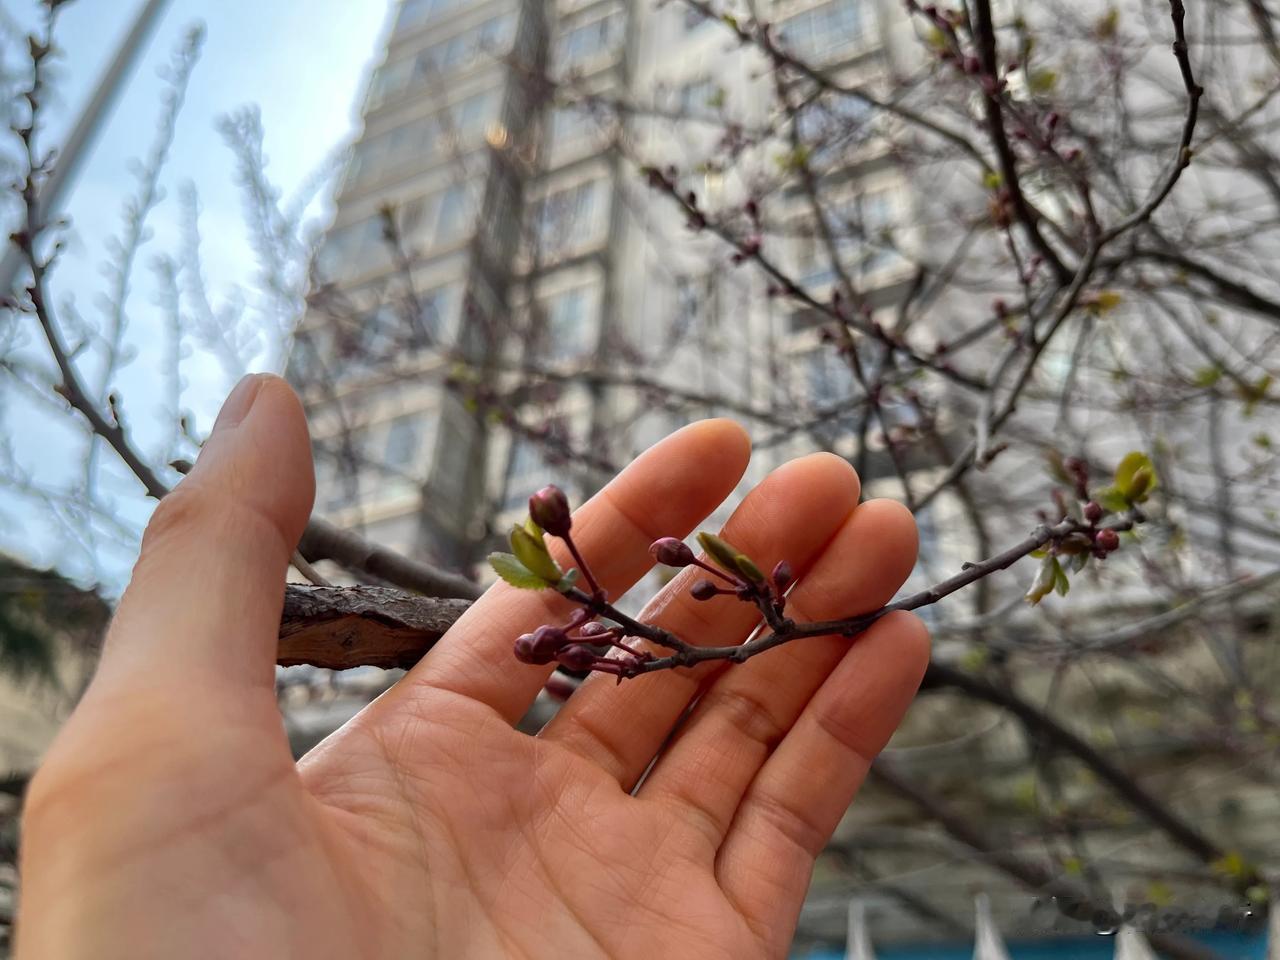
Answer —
(304, 64)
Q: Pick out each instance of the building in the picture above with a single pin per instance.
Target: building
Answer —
(528, 259)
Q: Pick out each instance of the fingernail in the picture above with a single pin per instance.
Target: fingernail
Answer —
(239, 402)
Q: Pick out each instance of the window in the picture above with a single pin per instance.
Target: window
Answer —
(493, 38)
(416, 12)
(475, 113)
(569, 125)
(404, 436)
(825, 31)
(454, 216)
(585, 42)
(439, 315)
(527, 471)
(567, 328)
(569, 219)
(830, 123)
(351, 250)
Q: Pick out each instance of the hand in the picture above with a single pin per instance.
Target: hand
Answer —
(170, 820)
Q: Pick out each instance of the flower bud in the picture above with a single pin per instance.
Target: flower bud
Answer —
(1107, 540)
(1093, 511)
(577, 656)
(703, 590)
(593, 629)
(782, 575)
(528, 650)
(549, 508)
(672, 552)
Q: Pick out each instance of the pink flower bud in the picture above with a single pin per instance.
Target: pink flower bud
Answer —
(782, 575)
(527, 650)
(593, 629)
(577, 656)
(1107, 540)
(549, 508)
(672, 552)
(1093, 511)
(703, 590)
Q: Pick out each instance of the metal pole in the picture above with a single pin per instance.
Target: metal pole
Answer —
(73, 153)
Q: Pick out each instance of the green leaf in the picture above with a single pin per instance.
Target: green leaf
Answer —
(1061, 585)
(532, 552)
(1045, 581)
(515, 573)
(1112, 500)
(1079, 562)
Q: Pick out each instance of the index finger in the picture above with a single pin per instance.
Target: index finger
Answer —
(666, 491)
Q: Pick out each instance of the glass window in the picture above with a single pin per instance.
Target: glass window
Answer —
(454, 216)
(567, 329)
(439, 314)
(829, 123)
(569, 218)
(527, 471)
(415, 12)
(823, 32)
(404, 438)
(570, 124)
(587, 41)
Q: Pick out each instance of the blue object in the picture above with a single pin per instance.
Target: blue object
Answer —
(1236, 946)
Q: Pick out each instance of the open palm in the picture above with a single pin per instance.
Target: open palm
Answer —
(169, 819)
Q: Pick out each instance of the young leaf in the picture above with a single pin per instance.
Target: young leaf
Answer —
(515, 573)
(568, 581)
(1135, 477)
(532, 552)
(1061, 584)
(721, 551)
(1046, 579)
(747, 568)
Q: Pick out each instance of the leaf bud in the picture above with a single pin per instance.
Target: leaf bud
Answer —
(532, 552)
(549, 508)
(672, 552)
(747, 568)
(721, 551)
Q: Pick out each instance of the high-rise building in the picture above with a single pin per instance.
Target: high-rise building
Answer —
(493, 231)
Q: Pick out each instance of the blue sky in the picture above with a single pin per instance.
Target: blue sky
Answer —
(304, 63)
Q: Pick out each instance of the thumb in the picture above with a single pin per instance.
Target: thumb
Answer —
(204, 601)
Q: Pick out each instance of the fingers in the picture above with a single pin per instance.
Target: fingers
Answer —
(791, 515)
(795, 803)
(666, 491)
(745, 713)
(204, 602)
